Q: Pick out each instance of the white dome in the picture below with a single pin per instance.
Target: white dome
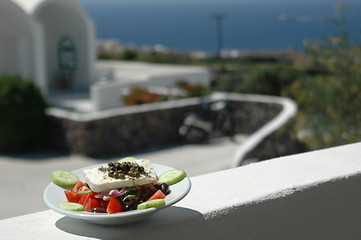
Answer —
(28, 5)
(29, 46)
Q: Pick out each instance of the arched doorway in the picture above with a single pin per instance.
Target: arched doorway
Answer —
(16, 51)
(69, 49)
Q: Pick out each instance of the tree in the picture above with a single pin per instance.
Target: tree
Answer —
(330, 103)
(22, 115)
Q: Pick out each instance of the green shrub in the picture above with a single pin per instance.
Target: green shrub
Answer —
(229, 84)
(22, 115)
(128, 55)
(269, 80)
(329, 104)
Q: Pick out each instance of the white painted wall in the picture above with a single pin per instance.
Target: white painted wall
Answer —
(170, 80)
(40, 65)
(106, 95)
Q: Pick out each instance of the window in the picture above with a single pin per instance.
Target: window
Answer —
(66, 54)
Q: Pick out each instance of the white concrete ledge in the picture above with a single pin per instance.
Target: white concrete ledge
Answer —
(289, 110)
(91, 116)
(314, 195)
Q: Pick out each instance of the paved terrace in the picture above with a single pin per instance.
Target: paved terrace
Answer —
(315, 195)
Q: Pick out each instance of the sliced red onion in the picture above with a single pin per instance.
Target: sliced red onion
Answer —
(115, 193)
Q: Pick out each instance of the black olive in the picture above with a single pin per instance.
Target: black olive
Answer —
(130, 206)
(164, 187)
(98, 210)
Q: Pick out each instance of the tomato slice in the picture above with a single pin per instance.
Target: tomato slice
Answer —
(102, 203)
(77, 186)
(71, 196)
(90, 204)
(157, 195)
(83, 199)
(114, 206)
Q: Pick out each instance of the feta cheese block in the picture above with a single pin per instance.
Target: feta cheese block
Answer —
(99, 181)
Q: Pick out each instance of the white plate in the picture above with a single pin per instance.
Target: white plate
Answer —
(54, 195)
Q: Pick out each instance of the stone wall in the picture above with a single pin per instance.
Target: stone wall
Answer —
(250, 116)
(280, 143)
(145, 127)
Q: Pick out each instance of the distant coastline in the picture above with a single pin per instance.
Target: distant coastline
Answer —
(114, 47)
(247, 26)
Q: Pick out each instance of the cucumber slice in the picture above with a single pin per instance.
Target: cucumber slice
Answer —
(63, 178)
(71, 206)
(127, 159)
(151, 204)
(172, 176)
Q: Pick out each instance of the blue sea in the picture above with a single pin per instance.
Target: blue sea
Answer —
(246, 25)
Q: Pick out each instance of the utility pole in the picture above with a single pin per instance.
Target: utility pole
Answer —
(219, 18)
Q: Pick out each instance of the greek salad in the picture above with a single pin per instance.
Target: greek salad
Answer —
(126, 185)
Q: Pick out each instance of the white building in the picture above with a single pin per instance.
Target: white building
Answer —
(50, 42)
